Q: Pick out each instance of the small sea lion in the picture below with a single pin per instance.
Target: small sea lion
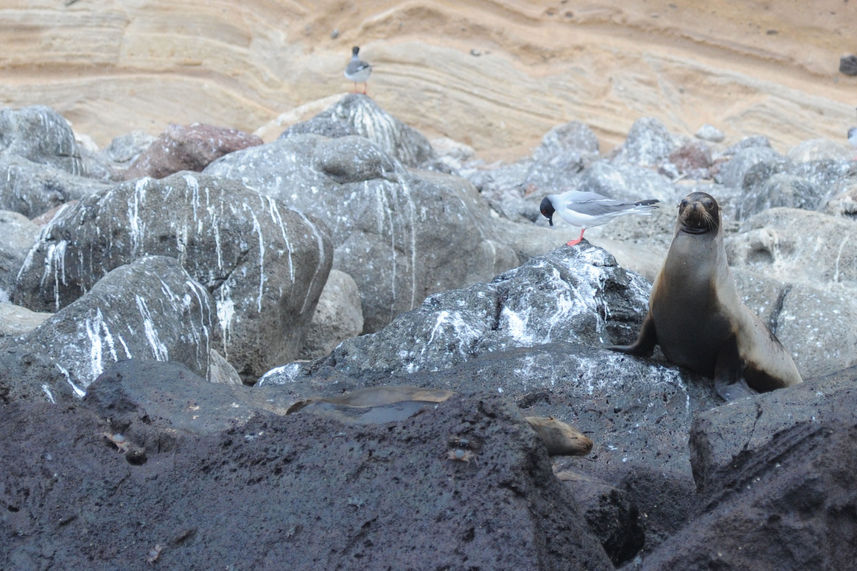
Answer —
(559, 438)
(698, 318)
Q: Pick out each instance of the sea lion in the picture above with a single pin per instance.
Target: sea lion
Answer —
(698, 318)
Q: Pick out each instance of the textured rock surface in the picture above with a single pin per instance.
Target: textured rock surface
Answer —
(188, 147)
(264, 264)
(304, 491)
(777, 490)
(337, 317)
(400, 234)
(18, 235)
(150, 309)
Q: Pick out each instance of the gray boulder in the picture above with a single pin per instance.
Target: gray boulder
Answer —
(400, 234)
(709, 133)
(18, 234)
(264, 264)
(733, 171)
(32, 188)
(359, 115)
(338, 316)
(17, 320)
(571, 294)
(149, 309)
(40, 135)
(648, 143)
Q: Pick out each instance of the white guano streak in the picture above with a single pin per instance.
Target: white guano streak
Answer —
(158, 349)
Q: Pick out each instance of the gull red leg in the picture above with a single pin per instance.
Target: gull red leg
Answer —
(579, 238)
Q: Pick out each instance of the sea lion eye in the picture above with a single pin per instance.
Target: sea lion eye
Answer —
(682, 204)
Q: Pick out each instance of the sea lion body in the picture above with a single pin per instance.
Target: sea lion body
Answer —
(698, 318)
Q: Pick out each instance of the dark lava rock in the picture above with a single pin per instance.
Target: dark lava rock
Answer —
(785, 500)
(295, 492)
(40, 135)
(848, 64)
(188, 147)
(264, 263)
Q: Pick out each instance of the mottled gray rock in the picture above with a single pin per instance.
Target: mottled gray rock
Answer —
(732, 172)
(571, 294)
(40, 135)
(626, 181)
(17, 320)
(31, 188)
(400, 234)
(17, 235)
(648, 143)
(709, 133)
(264, 263)
(124, 149)
(564, 151)
(844, 203)
(188, 147)
(357, 114)
(820, 150)
(338, 316)
(150, 309)
(692, 160)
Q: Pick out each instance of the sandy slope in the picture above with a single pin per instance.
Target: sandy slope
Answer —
(494, 74)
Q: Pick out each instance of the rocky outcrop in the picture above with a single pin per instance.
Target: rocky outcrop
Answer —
(400, 234)
(18, 234)
(330, 494)
(150, 309)
(338, 316)
(188, 147)
(264, 264)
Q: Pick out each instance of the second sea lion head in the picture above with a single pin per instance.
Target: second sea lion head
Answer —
(698, 213)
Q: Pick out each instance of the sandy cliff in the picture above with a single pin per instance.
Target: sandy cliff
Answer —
(494, 74)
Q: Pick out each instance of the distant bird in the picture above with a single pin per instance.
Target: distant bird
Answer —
(587, 209)
(358, 70)
(852, 136)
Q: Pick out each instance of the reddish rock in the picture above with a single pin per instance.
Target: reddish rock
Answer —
(691, 156)
(188, 147)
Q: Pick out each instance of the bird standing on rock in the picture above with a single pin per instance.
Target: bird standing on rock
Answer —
(587, 209)
(358, 70)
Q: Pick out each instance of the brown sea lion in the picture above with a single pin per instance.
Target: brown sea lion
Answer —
(698, 318)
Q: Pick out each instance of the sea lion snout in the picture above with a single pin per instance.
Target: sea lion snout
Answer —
(699, 213)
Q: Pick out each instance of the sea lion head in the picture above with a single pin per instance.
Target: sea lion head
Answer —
(698, 213)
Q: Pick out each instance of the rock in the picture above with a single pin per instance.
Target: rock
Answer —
(400, 234)
(337, 317)
(571, 294)
(357, 114)
(564, 151)
(692, 160)
(624, 181)
(16, 320)
(529, 335)
(844, 203)
(18, 234)
(220, 371)
(264, 264)
(356, 494)
(187, 147)
(40, 135)
(818, 150)
(848, 64)
(732, 172)
(150, 308)
(709, 133)
(648, 143)
(780, 501)
(31, 188)
(610, 514)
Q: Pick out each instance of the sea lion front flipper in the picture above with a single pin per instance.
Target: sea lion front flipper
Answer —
(729, 381)
(646, 340)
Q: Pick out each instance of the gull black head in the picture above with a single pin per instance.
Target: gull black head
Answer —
(355, 50)
(699, 213)
(547, 209)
